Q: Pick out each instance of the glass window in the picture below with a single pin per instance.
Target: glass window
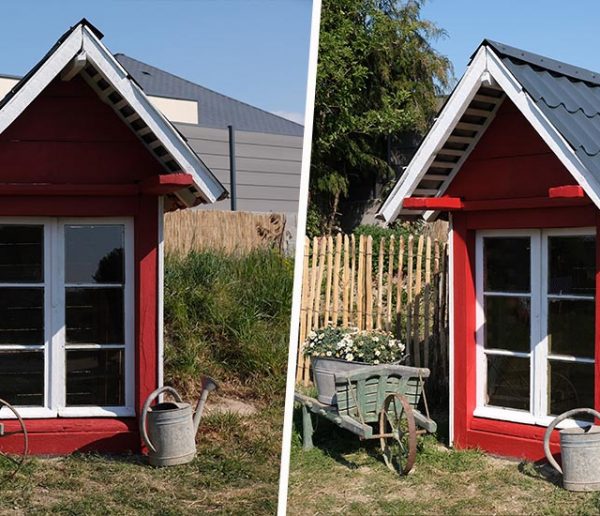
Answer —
(571, 385)
(506, 264)
(508, 322)
(571, 327)
(22, 377)
(94, 315)
(572, 265)
(508, 382)
(21, 254)
(21, 315)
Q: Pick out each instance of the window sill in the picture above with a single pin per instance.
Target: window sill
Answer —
(68, 412)
(522, 417)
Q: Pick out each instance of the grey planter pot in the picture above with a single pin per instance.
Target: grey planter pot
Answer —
(324, 370)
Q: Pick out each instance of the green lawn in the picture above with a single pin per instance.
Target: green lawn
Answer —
(235, 472)
(341, 475)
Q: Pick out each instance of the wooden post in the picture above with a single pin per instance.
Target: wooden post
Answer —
(346, 282)
(304, 309)
(409, 299)
(352, 280)
(310, 313)
(379, 323)
(369, 284)
(327, 313)
(426, 303)
(399, 290)
(360, 281)
(319, 284)
(336, 278)
(417, 303)
(390, 279)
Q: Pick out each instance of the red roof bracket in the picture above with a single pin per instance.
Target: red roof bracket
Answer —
(566, 192)
(433, 203)
(166, 183)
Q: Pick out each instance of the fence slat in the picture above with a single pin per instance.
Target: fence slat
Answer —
(427, 303)
(328, 281)
(319, 283)
(352, 277)
(336, 279)
(369, 284)
(379, 312)
(417, 303)
(390, 284)
(346, 283)
(303, 309)
(360, 281)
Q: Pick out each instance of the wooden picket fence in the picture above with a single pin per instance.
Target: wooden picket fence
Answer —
(401, 287)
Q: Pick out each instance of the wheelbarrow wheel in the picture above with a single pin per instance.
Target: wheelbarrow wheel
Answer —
(9, 463)
(398, 434)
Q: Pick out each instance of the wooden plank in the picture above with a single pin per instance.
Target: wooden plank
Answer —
(303, 311)
(360, 281)
(352, 281)
(369, 284)
(328, 282)
(379, 311)
(426, 303)
(478, 112)
(319, 282)
(336, 279)
(346, 282)
(390, 280)
(444, 311)
(399, 286)
(417, 303)
(436, 306)
(409, 298)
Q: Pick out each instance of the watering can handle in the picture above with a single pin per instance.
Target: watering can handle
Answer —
(555, 421)
(143, 419)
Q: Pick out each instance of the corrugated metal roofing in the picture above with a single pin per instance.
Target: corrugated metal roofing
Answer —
(568, 96)
(215, 110)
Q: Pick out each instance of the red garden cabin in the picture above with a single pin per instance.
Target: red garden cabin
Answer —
(88, 166)
(513, 161)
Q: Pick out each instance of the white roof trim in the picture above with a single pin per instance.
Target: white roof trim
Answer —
(484, 64)
(83, 39)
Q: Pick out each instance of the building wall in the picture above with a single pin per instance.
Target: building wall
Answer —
(268, 169)
(510, 162)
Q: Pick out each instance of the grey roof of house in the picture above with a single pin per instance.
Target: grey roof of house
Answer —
(568, 96)
(215, 110)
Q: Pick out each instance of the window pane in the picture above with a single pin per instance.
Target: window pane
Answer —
(506, 264)
(22, 377)
(508, 382)
(94, 254)
(571, 386)
(21, 315)
(572, 265)
(94, 315)
(95, 377)
(571, 327)
(21, 254)
(507, 323)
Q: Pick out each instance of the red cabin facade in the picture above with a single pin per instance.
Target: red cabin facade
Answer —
(87, 168)
(511, 161)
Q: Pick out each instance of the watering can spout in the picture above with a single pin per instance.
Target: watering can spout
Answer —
(208, 385)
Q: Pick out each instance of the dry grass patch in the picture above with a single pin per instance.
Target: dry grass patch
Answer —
(343, 475)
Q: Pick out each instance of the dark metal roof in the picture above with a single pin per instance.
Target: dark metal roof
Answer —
(215, 110)
(567, 95)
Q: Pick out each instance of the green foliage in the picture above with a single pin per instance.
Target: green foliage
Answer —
(377, 76)
(228, 316)
(370, 347)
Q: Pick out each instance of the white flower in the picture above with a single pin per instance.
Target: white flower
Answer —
(328, 353)
(312, 335)
(377, 352)
(375, 362)
(350, 357)
(376, 339)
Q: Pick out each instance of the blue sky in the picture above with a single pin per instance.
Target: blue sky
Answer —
(564, 30)
(253, 50)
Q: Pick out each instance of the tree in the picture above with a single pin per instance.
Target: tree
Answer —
(377, 76)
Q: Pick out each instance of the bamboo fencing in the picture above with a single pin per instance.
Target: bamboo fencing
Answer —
(400, 285)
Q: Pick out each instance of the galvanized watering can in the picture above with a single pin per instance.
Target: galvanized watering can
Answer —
(169, 428)
(580, 453)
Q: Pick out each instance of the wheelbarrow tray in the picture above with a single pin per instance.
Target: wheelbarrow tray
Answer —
(360, 396)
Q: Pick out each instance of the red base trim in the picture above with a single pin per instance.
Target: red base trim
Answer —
(64, 436)
(432, 203)
(566, 192)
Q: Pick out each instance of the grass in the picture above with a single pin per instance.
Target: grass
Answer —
(227, 316)
(343, 475)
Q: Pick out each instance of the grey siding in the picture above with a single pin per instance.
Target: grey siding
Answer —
(268, 167)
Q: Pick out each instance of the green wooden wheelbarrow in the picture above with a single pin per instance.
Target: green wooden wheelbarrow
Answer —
(376, 402)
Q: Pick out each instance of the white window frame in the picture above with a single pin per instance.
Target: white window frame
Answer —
(54, 320)
(538, 354)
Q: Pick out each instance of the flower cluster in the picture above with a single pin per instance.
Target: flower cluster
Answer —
(352, 345)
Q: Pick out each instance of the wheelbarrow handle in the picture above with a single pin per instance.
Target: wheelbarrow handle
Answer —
(555, 421)
(144, 416)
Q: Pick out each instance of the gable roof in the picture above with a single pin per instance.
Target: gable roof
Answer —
(561, 101)
(215, 110)
(80, 51)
